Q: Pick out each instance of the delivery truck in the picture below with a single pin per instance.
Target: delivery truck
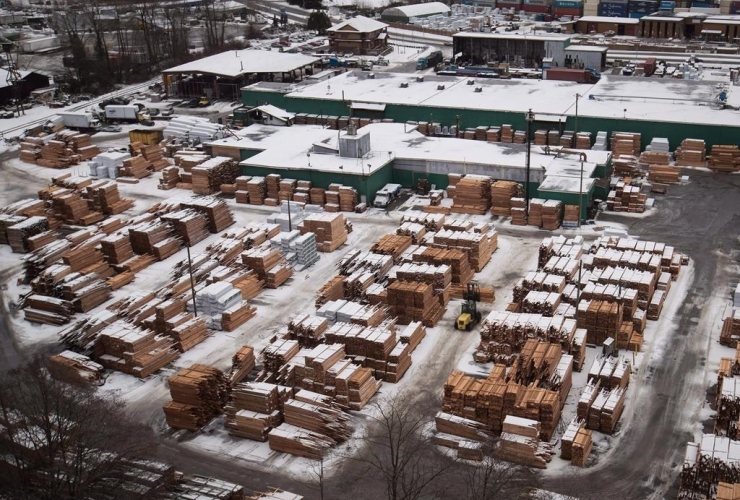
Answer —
(430, 61)
(80, 120)
(386, 195)
(124, 113)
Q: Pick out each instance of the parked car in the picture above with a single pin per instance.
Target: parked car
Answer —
(111, 128)
(168, 112)
(193, 103)
(153, 111)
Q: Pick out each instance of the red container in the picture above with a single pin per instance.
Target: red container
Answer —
(562, 11)
(569, 75)
(544, 9)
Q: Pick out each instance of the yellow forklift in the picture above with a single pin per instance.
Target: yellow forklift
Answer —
(469, 314)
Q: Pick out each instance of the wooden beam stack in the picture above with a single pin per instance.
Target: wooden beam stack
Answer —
(472, 195)
(208, 176)
(501, 194)
(413, 301)
(625, 144)
(75, 368)
(216, 210)
(392, 244)
(663, 174)
(242, 363)
(199, 394)
(691, 153)
(330, 230)
(724, 158)
(126, 347)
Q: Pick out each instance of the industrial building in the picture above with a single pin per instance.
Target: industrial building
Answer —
(222, 75)
(29, 81)
(381, 153)
(621, 26)
(671, 108)
(404, 13)
(515, 49)
(359, 35)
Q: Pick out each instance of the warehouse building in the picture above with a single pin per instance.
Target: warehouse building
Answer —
(29, 81)
(404, 13)
(222, 75)
(654, 107)
(359, 35)
(516, 49)
(621, 26)
(382, 153)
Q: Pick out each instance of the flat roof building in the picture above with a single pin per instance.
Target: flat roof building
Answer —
(221, 75)
(404, 13)
(516, 49)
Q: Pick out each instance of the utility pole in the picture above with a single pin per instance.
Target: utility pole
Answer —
(578, 96)
(192, 281)
(580, 190)
(529, 118)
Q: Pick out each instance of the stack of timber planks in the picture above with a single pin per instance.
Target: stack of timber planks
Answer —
(501, 194)
(520, 443)
(130, 349)
(472, 195)
(76, 368)
(625, 144)
(242, 363)
(692, 153)
(330, 230)
(724, 158)
(199, 394)
(208, 176)
(626, 197)
(663, 174)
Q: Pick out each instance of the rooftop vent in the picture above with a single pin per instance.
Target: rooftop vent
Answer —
(479, 89)
(471, 82)
(440, 87)
(404, 85)
(371, 76)
(419, 78)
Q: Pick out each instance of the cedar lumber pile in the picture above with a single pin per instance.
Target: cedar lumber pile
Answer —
(663, 174)
(130, 349)
(691, 153)
(472, 195)
(75, 368)
(207, 177)
(330, 230)
(724, 158)
(501, 194)
(242, 363)
(199, 393)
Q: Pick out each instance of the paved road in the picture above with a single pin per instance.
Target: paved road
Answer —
(701, 219)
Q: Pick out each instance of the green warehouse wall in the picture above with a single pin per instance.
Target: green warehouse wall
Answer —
(468, 118)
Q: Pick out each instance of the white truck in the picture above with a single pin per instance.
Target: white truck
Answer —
(81, 120)
(385, 196)
(125, 113)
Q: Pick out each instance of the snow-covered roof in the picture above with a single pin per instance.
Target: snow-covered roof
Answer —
(4, 77)
(240, 62)
(275, 111)
(419, 9)
(611, 20)
(586, 48)
(647, 99)
(513, 36)
(361, 24)
(662, 19)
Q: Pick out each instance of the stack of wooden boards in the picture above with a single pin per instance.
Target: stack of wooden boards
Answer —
(501, 194)
(520, 443)
(330, 230)
(724, 158)
(576, 443)
(625, 197)
(663, 174)
(625, 144)
(691, 153)
(730, 334)
(76, 368)
(199, 394)
(208, 176)
(67, 148)
(472, 194)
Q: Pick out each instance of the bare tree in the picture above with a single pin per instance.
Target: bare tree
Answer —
(214, 37)
(317, 471)
(397, 450)
(492, 479)
(61, 441)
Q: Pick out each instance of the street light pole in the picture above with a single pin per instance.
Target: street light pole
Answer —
(192, 282)
(578, 96)
(530, 119)
(580, 191)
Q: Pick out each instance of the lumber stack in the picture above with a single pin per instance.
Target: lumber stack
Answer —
(655, 158)
(501, 194)
(330, 230)
(479, 246)
(472, 195)
(170, 178)
(625, 144)
(269, 264)
(257, 190)
(691, 153)
(76, 368)
(294, 440)
(136, 167)
(392, 244)
(730, 334)
(19, 233)
(507, 133)
(552, 214)
(520, 443)
(242, 363)
(455, 258)
(663, 174)
(331, 290)
(601, 319)
(154, 154)
(348, 198)
(189, 225)
(144, 236)
(199, 393)
(724, 158)
(208, 176)
(128, 348)
(235, 316)
(582, 447)
(216, 210)
(413, 301)
(626, 198)
(47, 310)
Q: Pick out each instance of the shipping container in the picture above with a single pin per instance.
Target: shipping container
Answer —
(563, 11)
(569, 75)
(538, 2)
(735, 8)
(637, 15)
(667, 5)
(508, 3)
(542, 9)
(569, 4)
(610, 9)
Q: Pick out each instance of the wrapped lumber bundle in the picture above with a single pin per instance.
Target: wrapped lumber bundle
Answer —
(242, 363)
(413, 301)
(47, 310)
(216, 210)
(691, 153)
(520, 443)
(75, 368)
(257, 190)
(126, 347)
(300, 442)
(19, 233)
(501, 194)
(330, 230)
(199, 394)
(208, 176)
(189, 225)
(472, 195)
(724, 158)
